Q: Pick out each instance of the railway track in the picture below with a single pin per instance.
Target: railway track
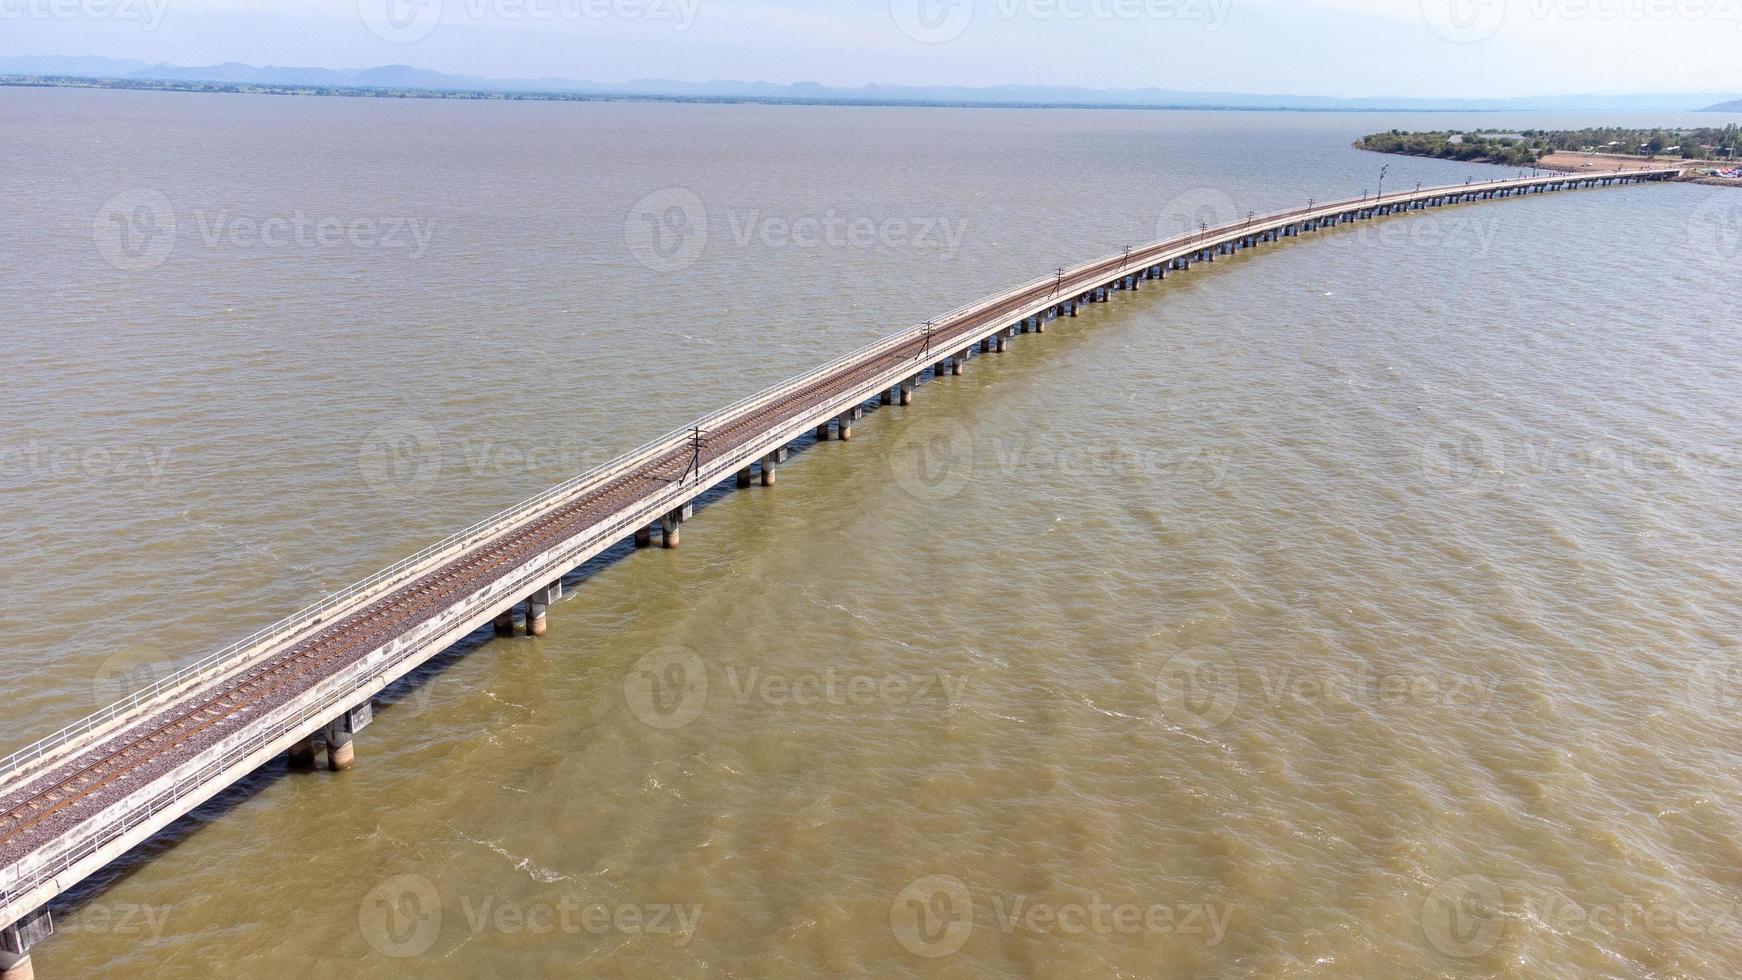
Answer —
(268, 684)
(68, 792)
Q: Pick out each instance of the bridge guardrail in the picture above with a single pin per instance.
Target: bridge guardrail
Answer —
(273, 636)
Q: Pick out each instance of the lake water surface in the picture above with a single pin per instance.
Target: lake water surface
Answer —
(1366, 605)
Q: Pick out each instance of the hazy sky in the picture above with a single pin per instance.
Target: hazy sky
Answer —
(1315, 47)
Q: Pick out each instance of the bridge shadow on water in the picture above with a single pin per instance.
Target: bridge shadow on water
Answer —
(411, 690)
(405, 693)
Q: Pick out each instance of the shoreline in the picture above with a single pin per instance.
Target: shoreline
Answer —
(53, 81)
(1575, 164)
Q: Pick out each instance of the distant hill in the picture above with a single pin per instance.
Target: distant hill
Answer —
(1735, 106)
(403, 79)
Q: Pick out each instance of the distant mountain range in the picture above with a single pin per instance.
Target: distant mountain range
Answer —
(407, 79)
(1732, 106)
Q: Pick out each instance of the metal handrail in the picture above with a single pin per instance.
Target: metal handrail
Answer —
(265, 638)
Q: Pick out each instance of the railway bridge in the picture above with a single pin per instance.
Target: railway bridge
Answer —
(78, 799)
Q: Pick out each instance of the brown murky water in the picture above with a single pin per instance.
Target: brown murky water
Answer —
(1364, 606)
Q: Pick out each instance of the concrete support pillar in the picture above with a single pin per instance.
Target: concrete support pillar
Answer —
(845, 425)
(302, 754)
(940, 369)
(1071, 308)
(823, 432)
(744, 478)
(886, 397)
(671, 526)
(1040, 324)
(536, 623)
(504, 623)
(644, 538)
(958, 363)
(906, 396)
(17, 940)
(536, 605)
(770, 469)
(341, 752)
(999, 342)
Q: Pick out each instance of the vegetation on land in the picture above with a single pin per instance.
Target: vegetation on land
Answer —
(1524, 148)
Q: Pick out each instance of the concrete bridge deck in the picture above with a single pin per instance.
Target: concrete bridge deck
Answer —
(73, 802)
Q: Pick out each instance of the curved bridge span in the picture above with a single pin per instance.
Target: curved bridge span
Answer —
(75, 801)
